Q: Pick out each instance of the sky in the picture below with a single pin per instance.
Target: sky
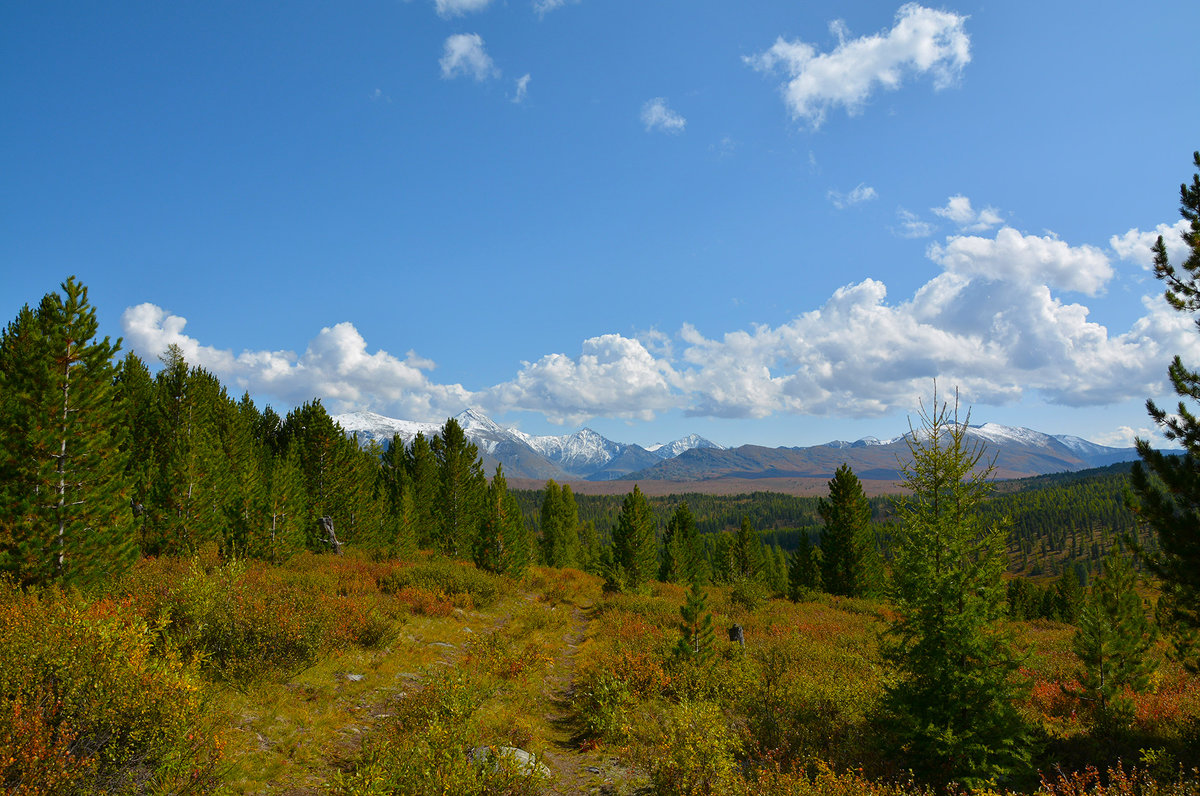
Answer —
(763, 222)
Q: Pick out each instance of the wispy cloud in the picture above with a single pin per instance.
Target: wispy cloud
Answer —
(543, 7)
(522, 88)
(959, 211)
(861, 193)
(463, 54)
(457, 8)
(656, 115)
(922, 42)
(911, 225)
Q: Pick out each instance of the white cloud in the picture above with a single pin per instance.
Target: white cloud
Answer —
(457, 8)
(989, 322)
(922, 42)
(335, 367)
(463, 54)
(861, 193)
(1124, 436)
(1025, 258)
(657, 116)
(543, 7)
(522, 88)
(958, 210)
(1136, 246)
(911, 225)
(613, 376)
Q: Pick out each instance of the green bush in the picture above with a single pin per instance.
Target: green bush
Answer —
(425, 750)
(86, 704)
(692, 751)
(444, 577)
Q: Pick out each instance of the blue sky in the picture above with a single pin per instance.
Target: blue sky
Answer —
(768, 222)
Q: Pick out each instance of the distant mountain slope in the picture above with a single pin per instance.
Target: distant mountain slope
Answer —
(1017, 452)
(585, 455)
(582, 455)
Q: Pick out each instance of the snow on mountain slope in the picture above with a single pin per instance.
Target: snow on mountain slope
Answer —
(672, 449)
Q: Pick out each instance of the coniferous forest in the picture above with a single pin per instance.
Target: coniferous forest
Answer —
(202, 595)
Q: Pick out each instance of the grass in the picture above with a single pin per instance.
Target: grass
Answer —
(404, 667)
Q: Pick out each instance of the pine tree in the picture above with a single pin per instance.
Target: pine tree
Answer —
(683, 558)
(804, 572)
(184, 507)
(550, 519)
(1166, 488)
(401, 510)
(64, 510)
(422, 468)
(953, 703)
(1114, 642)
(747, 551)
(461, 490)
(849, 562)
(635, 544)
(285, 525)
(697, 639)
(589, 548)
(503, 542)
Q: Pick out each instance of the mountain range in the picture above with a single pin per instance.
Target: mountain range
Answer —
(587, 456)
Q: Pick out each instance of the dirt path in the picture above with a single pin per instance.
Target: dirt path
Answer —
(577, 770)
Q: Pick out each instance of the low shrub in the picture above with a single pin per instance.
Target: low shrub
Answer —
(87, 706)
(692, 751)
(449, 578)
(426, 749)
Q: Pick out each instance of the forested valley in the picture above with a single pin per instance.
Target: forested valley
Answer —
(203, 595)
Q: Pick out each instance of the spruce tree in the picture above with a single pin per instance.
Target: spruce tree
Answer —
(849, 563)
(1114, 643)
(589, 548)
(64, 510)
(635, 543)
(1166, 487)
(953, 704)
(285, 524)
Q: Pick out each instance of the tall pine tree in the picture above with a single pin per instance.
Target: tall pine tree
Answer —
(634, 543)
(1166, 487)
(461, 490)
(65, 512)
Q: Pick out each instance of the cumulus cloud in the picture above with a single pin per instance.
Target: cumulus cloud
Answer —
(958, 210)
(921, 42)
(613, 376)
(861, 193)
(657, 116)
(911, 225)
(989, 322)
(1136, 246)
(336, 367)
(1026, 258)
(463, 54)
(456, 8)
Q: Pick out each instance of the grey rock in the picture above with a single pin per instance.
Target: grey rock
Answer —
(526, 762)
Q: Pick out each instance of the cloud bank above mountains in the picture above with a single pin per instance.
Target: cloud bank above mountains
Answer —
(993, 322)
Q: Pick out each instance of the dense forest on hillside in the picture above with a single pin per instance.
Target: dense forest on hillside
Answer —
(202, 595)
